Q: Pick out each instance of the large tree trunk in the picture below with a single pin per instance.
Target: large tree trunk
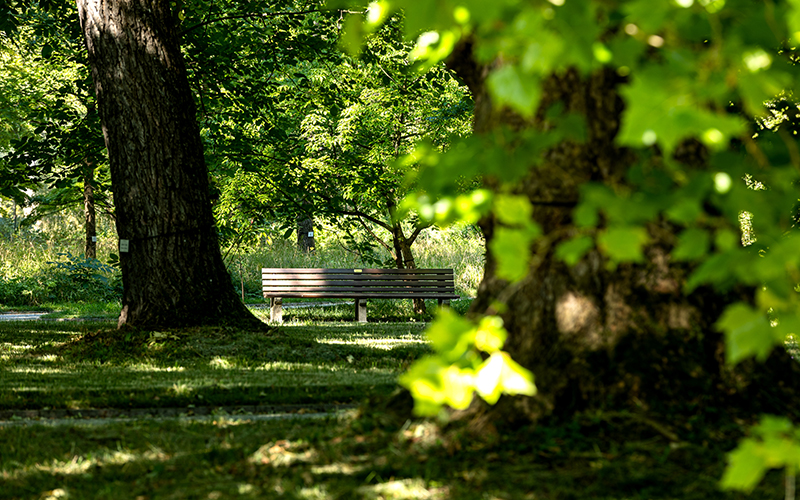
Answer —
(173, 274)
(89, 212)
(593, 337)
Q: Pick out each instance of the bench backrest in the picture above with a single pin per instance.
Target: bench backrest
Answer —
(377, 283)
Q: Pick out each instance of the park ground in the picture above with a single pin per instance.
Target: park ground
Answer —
(307, 411)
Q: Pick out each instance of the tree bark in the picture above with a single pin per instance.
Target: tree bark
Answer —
(89, 212)
(173, 274)
(305, 234)
(593, 337)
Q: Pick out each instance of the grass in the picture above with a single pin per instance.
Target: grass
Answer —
(89, 365)
(377, 453)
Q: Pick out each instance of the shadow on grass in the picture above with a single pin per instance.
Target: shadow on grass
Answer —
(359, 459)
(63, 366)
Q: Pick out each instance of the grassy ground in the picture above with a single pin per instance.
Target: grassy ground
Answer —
(377, 453)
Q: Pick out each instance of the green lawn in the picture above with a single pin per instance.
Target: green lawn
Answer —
(375, 452)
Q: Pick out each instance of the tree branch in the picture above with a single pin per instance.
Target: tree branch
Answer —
(377, 238)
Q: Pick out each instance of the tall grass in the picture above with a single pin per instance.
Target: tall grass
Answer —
(459, 248)
(27, 276)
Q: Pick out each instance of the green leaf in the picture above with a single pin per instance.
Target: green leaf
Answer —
(746, 467)
(490, 335)
(501, 375)
(747, 333)
(512, 210)
(585, 215)
(511, 87)
(451, 335)
(458, 387)
(685, 210)
(692, 244)
(793, 20)
(424, 380)
(571, 251)
(623, 244)
(511, 249)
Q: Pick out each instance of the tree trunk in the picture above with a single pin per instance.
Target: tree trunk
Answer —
(593, 337)
(404, 259)
(89, 211)
(305, 234)
(403, 256)
(172, 271)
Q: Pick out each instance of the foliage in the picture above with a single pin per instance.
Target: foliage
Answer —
(72, 279)
(691, 74)
(774, 443)
(91, 275)
(302, 130)
(51, 130)
(468, 359)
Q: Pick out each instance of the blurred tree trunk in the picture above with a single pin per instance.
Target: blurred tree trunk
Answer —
(173, 274)
(594, 337)
(89, 212)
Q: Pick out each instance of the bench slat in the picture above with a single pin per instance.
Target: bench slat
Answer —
(358, 291)
(375, 295)
(339, 282)
(356, 277)
(279, 270)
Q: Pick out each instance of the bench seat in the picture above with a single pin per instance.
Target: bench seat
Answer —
(356, 284)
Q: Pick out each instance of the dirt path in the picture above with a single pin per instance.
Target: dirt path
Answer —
(103, 416)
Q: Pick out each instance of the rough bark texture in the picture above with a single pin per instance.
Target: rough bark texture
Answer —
(594, 337)
(173, 273)
(89, 212)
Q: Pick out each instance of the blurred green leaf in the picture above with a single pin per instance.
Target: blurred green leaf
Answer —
(571, 251)
(511, 87)
(511, 248)
(747, 333)
(623, 244)
(746, 467)
(693, 244)
(501, 375)
(512, 210)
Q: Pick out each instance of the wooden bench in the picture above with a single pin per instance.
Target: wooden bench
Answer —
(357, 284)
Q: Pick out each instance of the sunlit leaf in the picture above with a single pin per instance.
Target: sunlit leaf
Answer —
(746, 467)
(451, 335)
(490, 335)
(512, 210)
(500, 374)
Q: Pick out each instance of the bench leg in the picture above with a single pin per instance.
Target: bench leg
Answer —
(444, 302)
(276, 309)
(361, 310)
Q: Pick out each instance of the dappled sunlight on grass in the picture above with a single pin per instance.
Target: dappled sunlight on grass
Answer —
(205, 366)
(154, 368)
(39, 369)
(376, 343)
(221, 363)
